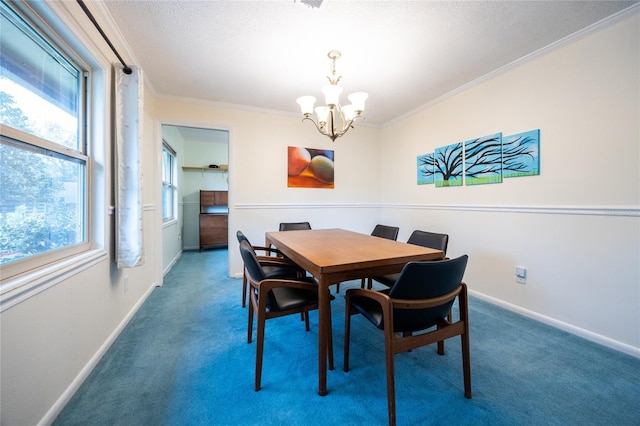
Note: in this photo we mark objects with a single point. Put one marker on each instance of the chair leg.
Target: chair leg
(391, 386)
(441, 342)
(466, 358)
(338, 288)
(347, 332)
(466, 365)
(305, 314)
(244, 289)
(330, 343)
(250, 325)
(369, 283)
(259, 351)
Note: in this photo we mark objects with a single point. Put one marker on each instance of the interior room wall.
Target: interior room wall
(259, 198)
(575, 227)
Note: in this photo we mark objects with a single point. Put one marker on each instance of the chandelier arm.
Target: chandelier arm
(349, 125)
(317, 126)
(331, 128)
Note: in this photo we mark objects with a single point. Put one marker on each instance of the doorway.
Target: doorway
(201, 163)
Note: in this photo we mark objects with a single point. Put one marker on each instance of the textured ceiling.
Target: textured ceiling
(405, 54)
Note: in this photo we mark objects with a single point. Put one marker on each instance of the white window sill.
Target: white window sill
(24, 286)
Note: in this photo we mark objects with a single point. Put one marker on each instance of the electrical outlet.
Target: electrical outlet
(126, 284)
(521, 275)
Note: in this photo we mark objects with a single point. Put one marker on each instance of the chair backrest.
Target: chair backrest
(384, 231)
(429, 239)
(426, 280)
(241, 237)
(255, 272)
(294, 226)
(251, 263)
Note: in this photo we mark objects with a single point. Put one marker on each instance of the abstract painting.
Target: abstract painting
(425, 169)
(448, 165)
(483, 160)
(310, 168)
(521, 154)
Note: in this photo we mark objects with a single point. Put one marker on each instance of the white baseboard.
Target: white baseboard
(586, 334)
(173, 262)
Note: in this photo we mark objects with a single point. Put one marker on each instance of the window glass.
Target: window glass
(43, 166)
(169, 186)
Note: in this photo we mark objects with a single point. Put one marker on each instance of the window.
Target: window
(43, 160)
(169, 184)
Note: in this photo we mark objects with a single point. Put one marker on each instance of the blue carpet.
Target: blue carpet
(184, 360)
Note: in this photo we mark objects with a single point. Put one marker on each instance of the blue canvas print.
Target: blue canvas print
(448, 165)
(483, 160)
(425, 169)
(521, 154)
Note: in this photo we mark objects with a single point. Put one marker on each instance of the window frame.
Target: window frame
(173, 183)
(23, 278)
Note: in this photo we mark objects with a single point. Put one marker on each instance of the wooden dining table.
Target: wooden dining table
(336, 255)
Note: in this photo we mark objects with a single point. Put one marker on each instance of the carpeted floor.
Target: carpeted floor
(184, 360)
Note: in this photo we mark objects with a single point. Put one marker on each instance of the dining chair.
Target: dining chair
(407, 313)
(276, 297)
(294, 226)
(432, 240)
(274, 264)
(382, 231)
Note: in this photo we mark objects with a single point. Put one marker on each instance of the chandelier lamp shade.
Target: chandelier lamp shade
(333, 120)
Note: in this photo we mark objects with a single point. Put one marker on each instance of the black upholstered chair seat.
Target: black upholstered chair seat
(274, 265)
(388, 280)
(280, 271)
(285, 298)
(404, 321)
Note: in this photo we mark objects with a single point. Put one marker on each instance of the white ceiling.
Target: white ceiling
(264, 54)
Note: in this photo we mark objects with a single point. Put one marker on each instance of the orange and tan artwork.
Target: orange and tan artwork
(310, 168)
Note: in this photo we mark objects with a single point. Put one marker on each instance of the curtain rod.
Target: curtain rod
(126, 69)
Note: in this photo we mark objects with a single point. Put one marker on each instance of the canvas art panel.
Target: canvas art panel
(448, 165)
(483, 160)
(521, 154)
(310, 168)
(425, 169)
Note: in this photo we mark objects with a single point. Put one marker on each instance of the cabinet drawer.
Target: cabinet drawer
(214, 229)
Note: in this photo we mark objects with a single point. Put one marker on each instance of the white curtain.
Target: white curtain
(128, 134)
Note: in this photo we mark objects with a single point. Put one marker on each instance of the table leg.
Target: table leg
(323, 334)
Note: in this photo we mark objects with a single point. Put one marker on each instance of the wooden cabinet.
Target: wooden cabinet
(214, 219)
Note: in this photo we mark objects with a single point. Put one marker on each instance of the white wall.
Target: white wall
(575, 227)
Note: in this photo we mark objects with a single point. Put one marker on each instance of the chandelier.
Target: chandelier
(333, 120)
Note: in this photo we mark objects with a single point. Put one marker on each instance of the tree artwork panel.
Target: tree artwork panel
(521, 154)
(310, 168)
(425, 169)
(448, 165)
(483, 160)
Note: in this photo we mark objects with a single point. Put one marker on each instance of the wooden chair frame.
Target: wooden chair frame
(396, 343)
(258, 305)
